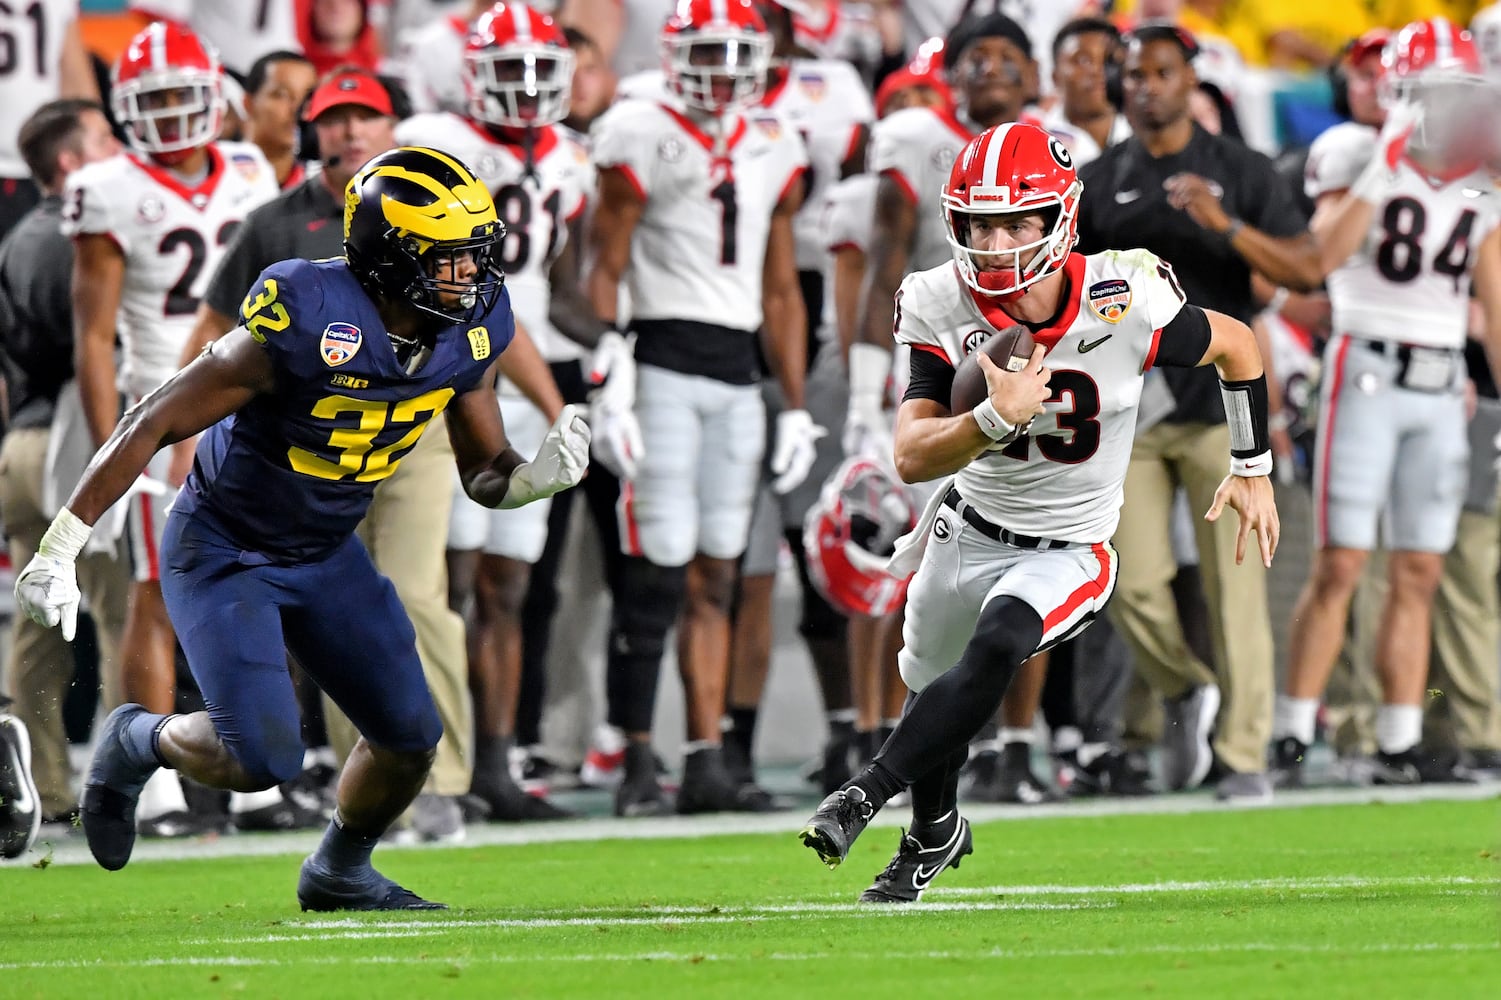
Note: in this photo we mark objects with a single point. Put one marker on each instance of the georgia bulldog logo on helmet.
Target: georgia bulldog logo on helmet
(518, 68)
(166, 91)
(851, 531)
(1012, 169)
(716, 53)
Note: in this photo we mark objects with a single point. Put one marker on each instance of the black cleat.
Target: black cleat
(638, 793)
(1006, 777)
(110, 792)
(324, 891)
(837, 823)
(1286, 770)
(916, 866)
(288, 814)
(20, 805)
(1114, 772)
(709, 787)
(506, 802)
(1403, 768)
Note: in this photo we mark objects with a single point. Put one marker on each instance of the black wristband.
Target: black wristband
(1246, 410)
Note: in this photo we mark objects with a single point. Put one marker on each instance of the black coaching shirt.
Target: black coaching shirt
(36, 314)
(306, 222)
(1125, 206)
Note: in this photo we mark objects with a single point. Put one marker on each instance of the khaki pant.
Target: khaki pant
(1466, 665)
(406, 532)
(39, 669)
(1197, 457)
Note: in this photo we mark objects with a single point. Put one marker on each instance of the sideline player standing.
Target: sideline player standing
(1017, 554)
(1407, 225)
(331, 378)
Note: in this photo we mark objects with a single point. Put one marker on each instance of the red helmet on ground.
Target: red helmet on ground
(716, 53)
(849, 533)
(1006, 170)
(518, 68)
(1432, 70)
(167, 91)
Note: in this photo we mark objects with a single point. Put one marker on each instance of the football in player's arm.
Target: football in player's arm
(334, 372)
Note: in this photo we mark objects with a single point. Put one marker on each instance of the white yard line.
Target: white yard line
(73, 851)
(989, 954)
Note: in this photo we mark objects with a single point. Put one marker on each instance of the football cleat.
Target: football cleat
(323, 891)
(20, 806)
(1114, 772)
(1006, 777)
(639, 793)
(1186, 752)
(110, 792)
(1403, 768)
(708, 787)
(507, 803)
(839, 820)
(916, 866)
(1286, 769)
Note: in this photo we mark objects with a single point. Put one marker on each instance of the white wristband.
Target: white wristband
(1250, 468)
(65, 537)
(991, 423)
(870, 368)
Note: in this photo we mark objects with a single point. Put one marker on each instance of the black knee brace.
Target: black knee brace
(646, 607)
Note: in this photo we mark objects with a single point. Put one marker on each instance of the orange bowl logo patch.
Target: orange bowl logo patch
(1110, 300)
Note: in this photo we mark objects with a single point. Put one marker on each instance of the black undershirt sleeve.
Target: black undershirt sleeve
(931, 377)
(1183, 341)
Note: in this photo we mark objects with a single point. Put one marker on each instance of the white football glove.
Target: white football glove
(867, 432)
(617, 440)
(796, 449)
(559, 463)
(613, 369)
(47, 589)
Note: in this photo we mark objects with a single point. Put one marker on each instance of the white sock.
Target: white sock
(244, 802)
(1398, 727)
(1295, 717)
(1009, 735)
(1091, 752)
(162, 795)
(1066, 738)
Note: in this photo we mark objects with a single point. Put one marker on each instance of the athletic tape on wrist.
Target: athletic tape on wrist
(65, 536)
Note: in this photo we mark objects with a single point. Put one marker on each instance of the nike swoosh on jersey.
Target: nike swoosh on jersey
(1089, 345)
(1126, 197)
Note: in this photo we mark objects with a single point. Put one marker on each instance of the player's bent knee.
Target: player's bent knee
(261, 768)
(1415, 575)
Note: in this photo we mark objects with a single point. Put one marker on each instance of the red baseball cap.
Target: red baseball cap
(353, 86)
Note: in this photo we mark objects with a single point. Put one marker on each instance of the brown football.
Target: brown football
(1010, 349)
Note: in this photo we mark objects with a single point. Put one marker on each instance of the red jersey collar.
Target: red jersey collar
(703, 138)
(1049, 335)
(543, 143)
(198, 196)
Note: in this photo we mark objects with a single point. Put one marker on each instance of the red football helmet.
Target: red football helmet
(849, 533)
(518, 68)
(716, 53)
(1007, 170)
(1433, 69)
(167, 92)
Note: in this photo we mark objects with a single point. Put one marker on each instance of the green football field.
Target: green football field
(1360, 900)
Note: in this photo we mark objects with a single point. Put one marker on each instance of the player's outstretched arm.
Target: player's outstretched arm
(221, 381)
(1247, 489)
(493, 473)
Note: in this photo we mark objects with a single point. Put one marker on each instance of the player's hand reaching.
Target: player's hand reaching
(1252, 499)
(613, 369)
(560, 462)
(1017, 396)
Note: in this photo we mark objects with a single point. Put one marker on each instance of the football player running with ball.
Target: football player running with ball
(1014, 547)
(331, 377)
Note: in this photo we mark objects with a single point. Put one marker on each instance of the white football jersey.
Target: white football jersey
(29, 69)
(536, 206)
(698, 251)
(1081, 145)
(241, 30)
(1065, 479)
(173, 238)
(826, 101)
(845, 218)
(1410, 279)
(916, 147)
(432, 64)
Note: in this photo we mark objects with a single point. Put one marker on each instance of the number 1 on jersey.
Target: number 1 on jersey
(724, 193)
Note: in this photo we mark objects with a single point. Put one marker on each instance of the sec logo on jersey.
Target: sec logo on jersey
(341, 341)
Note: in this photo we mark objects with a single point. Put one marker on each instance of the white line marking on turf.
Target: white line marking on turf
(1043, 954)
(1310, 883)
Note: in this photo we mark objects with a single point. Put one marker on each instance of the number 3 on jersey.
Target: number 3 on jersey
(354, 444)
(262, 313)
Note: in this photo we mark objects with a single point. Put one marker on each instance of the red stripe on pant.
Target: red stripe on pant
(630, 531)
(1094, 588)
(1326, 429)
(148, 538)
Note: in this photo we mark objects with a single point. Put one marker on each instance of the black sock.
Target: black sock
(742, 727)
(344, 850)
(935, 796)
(878, 783)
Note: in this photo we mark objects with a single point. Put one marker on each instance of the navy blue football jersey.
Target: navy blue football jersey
(293, 472)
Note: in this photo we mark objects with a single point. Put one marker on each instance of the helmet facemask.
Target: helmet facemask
(1455, 116)
(718, 70)
(1006, 274)
(519, 86)
(169, 113)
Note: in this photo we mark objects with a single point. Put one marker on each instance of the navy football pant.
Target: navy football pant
(236, 615)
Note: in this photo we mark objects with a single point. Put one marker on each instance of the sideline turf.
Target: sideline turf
(1359, 901)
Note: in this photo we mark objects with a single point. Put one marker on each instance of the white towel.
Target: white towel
(911, 546)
